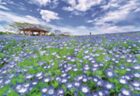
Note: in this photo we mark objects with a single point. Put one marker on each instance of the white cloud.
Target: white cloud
(11, 17)
(2, 2)
(44, 2)
(111, 4)
(73, 30)
(48, 15)
(3, 7)
(81, 5)
(41, 2)
(2, 29)
(118, 14)
(68, 8)
(115, 29)
(137, 10)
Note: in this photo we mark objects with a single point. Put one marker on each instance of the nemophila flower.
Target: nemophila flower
(123, 81)
(108, 85)
(4, 72)
(136, 84)
(69, 58)
(90, 59)
(35, 82)
(39, 74)
(116, 61)
(85, 79)
(94, 94)
(101, 64)
(93, 61)
(86, 67)
(77, 84)
(27, 85)
(63, 75)
(7, 81)
(60, 92)
(97, 55)
(78, 78)
(44, 90)
(94, 68)
(58, 78)
(41, 63)
(128, 77)
(136, 67)
(128, 69)
(137, 88)
(85, 89)
(95, 79)
(96, 65)
(107, 58)
(100, 83)
(69, 68)
(69, 85)
(45, 67)
(81, 61)
(75, 69)
(110, 51)
(51, 91)
(100, 93)
(106, 92)
(30, 87)
(49, 66)
(29, 76)
(129, 60)
(86, 51)
(134, 60)
(47, 79)
(21, 89)
(73, 60)
(63, 80)
(137, 75)
(109, 73)
(1, 81)
(86, 57)
(125, 92)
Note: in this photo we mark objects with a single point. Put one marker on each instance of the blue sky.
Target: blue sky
(79, 17)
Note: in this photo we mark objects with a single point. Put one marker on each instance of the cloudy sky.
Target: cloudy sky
(76, 16)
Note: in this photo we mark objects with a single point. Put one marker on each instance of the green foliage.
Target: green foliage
(121, 72)
(5, 33)
(19, 25)
(4, 90)
(17, 79)
(11, 92)
(1, 55)
(34, 92)
(55, 84)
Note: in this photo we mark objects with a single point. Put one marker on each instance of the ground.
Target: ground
(102, 65)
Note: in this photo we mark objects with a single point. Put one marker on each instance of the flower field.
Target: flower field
(102, 65)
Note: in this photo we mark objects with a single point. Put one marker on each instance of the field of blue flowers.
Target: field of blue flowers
(102, 65)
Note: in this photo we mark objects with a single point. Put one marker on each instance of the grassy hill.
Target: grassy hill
(5, 33)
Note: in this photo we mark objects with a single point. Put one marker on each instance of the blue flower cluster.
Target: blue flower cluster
(102, 65)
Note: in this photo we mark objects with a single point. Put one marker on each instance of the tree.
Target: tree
(16, 26)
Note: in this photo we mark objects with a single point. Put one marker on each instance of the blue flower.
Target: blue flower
(85, 89)
(125, 92)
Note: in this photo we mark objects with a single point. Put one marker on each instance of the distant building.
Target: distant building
(33, 32)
